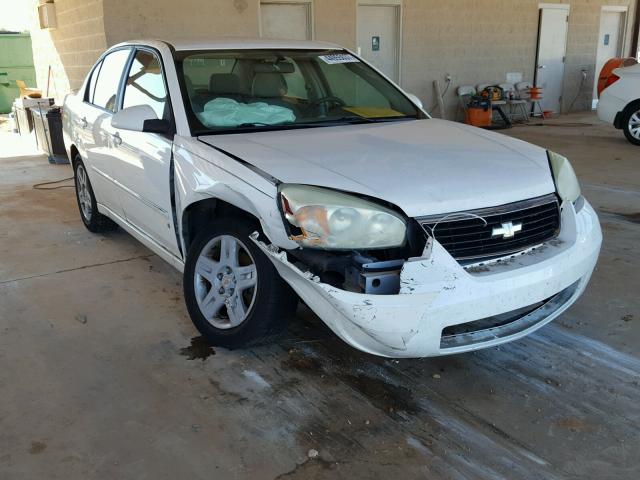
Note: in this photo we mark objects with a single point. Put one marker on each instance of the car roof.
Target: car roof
(235, 43)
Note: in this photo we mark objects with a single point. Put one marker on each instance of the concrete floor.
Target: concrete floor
(103, 375)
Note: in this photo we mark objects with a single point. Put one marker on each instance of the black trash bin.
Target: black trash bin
(47, 122)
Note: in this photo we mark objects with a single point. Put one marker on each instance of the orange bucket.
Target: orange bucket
(478, 117)
(535, 93)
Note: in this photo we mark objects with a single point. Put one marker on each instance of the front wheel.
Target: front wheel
(87, 203)
(233, 293)
(631, 123)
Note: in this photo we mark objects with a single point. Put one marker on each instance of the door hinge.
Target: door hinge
(564, 59)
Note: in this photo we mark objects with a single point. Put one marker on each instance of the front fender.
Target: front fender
(201, 172)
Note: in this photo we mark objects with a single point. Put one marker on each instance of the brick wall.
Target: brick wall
(129, 19)
(71, 48)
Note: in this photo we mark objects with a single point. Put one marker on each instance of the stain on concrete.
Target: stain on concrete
(37, 447)
(390, 398)
(630, 217)
(198, 350)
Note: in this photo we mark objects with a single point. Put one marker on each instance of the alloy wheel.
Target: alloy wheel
(634, 125)
(225, 281)
(84, 197)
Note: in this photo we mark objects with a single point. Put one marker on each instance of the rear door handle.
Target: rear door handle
(117, 141)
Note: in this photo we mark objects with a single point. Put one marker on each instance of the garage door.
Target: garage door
(286, 20)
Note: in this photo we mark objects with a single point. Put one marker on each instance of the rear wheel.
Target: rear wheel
(631, 122)
(233, 293)
(87, 204)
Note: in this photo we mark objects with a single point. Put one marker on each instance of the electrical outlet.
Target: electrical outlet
(448, 77)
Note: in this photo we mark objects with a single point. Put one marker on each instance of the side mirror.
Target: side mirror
(415, 100)
(139, 118)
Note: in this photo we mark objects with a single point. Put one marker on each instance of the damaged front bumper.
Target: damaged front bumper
(490, 304)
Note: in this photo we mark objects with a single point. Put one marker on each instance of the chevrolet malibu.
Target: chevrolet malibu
(272, 171)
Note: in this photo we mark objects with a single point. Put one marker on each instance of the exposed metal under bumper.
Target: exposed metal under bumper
(505, 325)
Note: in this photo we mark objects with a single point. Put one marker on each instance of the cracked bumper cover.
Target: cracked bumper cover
(437, 292)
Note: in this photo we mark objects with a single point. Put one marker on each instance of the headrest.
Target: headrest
(224, 83)
(278, 67)
(269, 85)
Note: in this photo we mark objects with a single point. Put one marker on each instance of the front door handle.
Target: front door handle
(84, 123)
(540, 67)
(117, 141)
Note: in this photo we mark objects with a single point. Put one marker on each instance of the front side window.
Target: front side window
(106, 85)
(145, 84)
(256, 89)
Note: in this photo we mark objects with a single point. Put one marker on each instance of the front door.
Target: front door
(378, 37)
(142, 160)
(609, 41)
(287, 20)
(552, 48)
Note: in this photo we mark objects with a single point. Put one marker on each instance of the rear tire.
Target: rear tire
(87, 204)
(631, 122)
(234, 294)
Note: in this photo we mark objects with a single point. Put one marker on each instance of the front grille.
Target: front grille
(470, 235)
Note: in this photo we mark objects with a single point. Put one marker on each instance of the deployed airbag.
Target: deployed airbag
(226, 112)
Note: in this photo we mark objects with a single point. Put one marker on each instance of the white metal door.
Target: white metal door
(552, 48)
(286, 20)
(609, 41)
(378, 37)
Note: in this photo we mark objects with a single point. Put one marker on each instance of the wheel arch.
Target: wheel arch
(198, 214)
(73, 153)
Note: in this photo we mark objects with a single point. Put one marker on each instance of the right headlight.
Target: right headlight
(567, 184)
(333, 220)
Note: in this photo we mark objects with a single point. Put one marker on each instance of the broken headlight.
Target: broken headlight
(323, 218)
(565, 178)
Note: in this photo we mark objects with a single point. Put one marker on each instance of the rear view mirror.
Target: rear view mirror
(134, 118)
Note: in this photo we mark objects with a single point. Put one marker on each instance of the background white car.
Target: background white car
(619, 103)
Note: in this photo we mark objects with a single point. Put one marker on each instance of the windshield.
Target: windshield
(247, 90)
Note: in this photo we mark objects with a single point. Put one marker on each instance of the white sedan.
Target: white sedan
(269, 171)
(619, 103)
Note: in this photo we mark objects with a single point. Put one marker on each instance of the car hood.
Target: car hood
(424, 167)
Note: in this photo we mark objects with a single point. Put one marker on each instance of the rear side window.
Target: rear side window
(92, 83)
(106, 85)
(145, 84)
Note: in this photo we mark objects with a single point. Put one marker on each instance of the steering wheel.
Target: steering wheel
(328, 100)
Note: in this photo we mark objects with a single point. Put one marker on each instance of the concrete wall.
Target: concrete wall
(473, 40)
(71, 48)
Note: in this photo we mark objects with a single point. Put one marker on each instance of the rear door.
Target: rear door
(142, 160)
(93, 123)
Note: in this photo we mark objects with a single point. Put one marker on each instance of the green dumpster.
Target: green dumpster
(16, 63)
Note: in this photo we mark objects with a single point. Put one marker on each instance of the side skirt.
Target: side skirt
(143, 238)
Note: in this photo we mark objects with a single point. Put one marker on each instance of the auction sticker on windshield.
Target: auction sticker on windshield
(335, 58)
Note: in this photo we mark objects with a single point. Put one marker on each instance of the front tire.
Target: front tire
(87, 203)
(631, 122)
(233, 293)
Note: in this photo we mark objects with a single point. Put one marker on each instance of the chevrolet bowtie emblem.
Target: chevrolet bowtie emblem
(507, 230)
